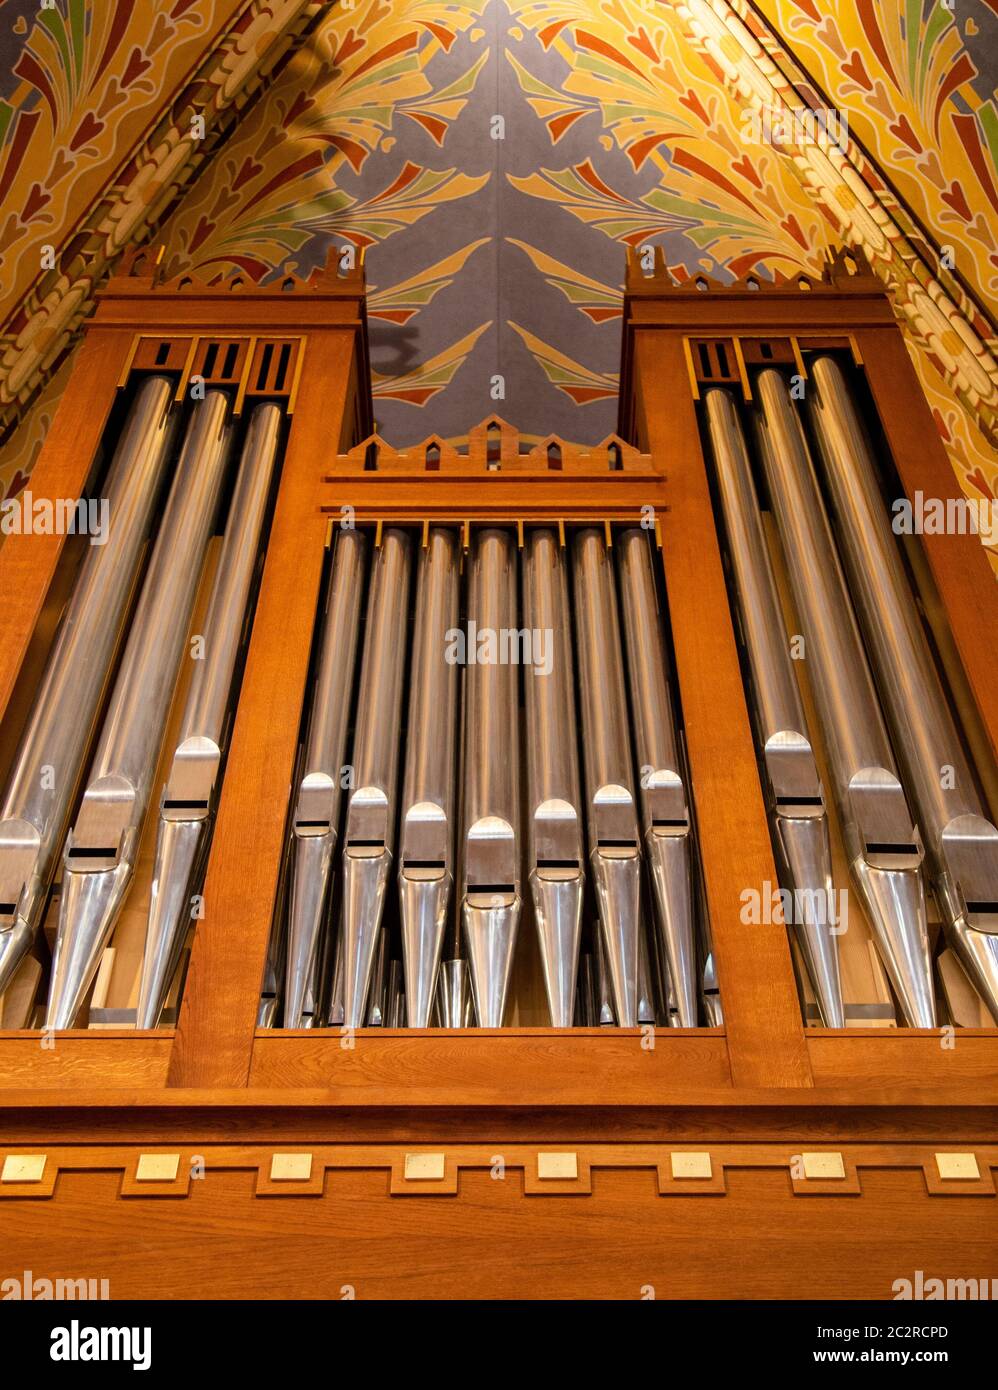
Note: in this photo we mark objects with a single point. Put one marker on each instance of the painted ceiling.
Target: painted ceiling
(491, 158)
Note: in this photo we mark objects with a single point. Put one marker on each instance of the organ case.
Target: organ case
(761, 1109)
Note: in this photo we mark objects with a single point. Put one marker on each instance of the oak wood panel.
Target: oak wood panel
(536, 1066)
(958, 1116)
(910, 1059)
(490, 1241)
(711, 313)
(958, 563)
(215, 1029)
(27, 563)
(84, 1059)
(755, 972)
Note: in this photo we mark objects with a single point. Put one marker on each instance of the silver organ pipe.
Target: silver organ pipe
(665, 816)
(554, 808)
(794, 792)
(101, 849)
(611, 805)
(187, 802)
(315, 819)
(426, 869)
(49, 762)
(491, 848)
(369, 834)
(882, 841)
(961, 841)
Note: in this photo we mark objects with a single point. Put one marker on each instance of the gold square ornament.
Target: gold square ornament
(691, 1165)
(23, 1168)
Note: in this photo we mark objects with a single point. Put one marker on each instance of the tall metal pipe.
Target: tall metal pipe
(426, 872)
(49, 763)
(961, 841)
(614, 846)
(369, 835)
(188, 801)
(794, 792)
(882, 841)
(315, 823)
(554, 807)
(665, 815)
(103, 844)
(491, 899)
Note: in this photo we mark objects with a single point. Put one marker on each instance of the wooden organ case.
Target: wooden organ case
(218, 1155)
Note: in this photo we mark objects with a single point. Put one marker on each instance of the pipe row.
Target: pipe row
(83, 671)
(466, 827)
(887, 725)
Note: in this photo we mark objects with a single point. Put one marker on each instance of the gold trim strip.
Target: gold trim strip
(185, 371)
(743, 374)
(296, 379)
(694, 384)
(244, 379)
(130, 359)
(798, 358)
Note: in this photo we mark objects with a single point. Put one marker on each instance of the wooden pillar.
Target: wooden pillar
(766, 1044)
(215, 1031)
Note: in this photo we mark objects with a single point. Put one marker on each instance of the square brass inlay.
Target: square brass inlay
(157, 1168)
(23, 1168)
(558, 1165)
(826, 1165)
(958, 1166)
(291, 1167)
(424, 1167)
(691, 1165)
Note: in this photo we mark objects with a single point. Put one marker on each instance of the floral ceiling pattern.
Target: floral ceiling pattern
(491, 158)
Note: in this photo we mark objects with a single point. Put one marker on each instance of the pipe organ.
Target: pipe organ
(616, 810)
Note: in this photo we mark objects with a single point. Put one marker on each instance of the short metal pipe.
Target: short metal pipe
(611, 803)
(665, 815)
(315, 819)
(491, 898)
(554, 807)
(369, 834)
(426, 867)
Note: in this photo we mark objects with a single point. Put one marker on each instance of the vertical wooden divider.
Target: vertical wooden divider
(214, 1039)
(766, 1044)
